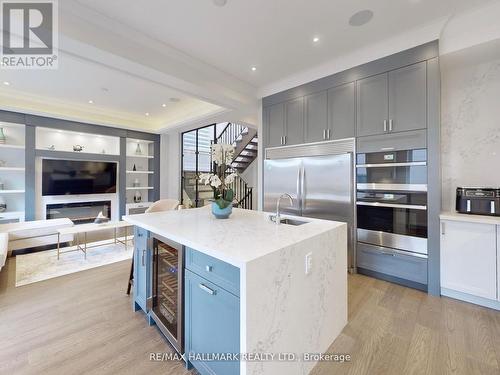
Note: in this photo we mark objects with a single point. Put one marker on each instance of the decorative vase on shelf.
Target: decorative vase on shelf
(137, 197)
(3, 204)
(136, 183)
(2, 136)
(138, 150)
(221, 213)
(134, 168)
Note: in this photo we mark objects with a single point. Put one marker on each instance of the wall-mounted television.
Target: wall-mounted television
(66, 177)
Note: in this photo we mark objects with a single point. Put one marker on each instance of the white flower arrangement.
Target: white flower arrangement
(222, 156)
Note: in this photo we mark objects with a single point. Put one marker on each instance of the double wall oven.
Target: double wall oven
(391, 203)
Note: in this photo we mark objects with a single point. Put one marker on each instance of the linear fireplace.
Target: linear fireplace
(79, 212)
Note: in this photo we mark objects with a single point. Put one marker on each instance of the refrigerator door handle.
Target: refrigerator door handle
(302, 190)
(299, 190)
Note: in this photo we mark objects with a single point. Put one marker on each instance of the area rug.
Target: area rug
(31, 268)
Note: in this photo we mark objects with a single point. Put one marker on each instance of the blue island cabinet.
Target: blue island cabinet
(212, 314)
(142, 271)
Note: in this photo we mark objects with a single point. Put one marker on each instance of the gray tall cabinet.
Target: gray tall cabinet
(393, 100)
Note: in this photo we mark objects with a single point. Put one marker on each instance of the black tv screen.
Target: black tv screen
(66, 177)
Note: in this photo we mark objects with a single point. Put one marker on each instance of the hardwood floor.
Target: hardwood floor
(83, 324)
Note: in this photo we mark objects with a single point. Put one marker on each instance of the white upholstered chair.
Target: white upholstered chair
(163, 205)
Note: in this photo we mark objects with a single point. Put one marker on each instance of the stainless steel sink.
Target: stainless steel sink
(292, 221)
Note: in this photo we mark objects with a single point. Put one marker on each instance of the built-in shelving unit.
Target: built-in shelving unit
(93, 145)
(139, 171)
(12, 182)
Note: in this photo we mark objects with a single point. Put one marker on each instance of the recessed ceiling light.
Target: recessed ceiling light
(254, 68)
(6, 83)
(147, 113)
(361, 18)
(91, 101)
(174, 100)
(163, 105)
(316, 39)
(220, 3)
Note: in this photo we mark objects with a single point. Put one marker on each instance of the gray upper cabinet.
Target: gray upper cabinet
(274, 121)
(393, 102)
(408, 98)
(372, 105)
(341, 112)
(294, 122)
(316, 117)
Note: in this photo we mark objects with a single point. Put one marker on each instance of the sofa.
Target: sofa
(30, 234)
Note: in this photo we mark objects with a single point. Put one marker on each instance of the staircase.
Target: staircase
(205, 192)
(245, 141)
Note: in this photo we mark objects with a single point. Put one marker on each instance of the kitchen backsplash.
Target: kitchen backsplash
(470, 127)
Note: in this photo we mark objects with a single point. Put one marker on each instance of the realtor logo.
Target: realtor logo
(29, 34)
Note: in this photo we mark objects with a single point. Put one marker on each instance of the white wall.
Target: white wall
(251, 176)
(470, 125)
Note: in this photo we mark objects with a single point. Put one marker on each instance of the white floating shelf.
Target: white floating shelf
(77, 152)
(13, 214)
(134, 140)
(12, 168)
(139, 172)
(139, 188)
(141, 156)
(11, 191)
(19, 147)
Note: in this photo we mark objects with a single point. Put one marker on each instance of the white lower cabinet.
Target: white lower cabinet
(469, 259)
(498, 263)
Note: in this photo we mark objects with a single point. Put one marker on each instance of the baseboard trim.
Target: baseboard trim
(392, 279)
(485, 302)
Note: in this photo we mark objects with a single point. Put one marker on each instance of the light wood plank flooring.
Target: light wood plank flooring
(83, 324)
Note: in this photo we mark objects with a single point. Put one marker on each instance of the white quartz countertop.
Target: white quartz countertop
(245, 236)
(483, 219)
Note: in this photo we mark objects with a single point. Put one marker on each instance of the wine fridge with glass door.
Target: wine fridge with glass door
(167, 302)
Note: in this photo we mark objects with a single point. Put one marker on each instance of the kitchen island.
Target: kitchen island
(270, 292)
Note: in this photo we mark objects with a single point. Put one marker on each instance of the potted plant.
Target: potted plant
(222, 156)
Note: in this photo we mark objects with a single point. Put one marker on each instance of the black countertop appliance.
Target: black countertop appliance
(478, 201)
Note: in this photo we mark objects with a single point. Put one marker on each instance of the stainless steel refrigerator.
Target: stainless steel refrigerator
(321, 186)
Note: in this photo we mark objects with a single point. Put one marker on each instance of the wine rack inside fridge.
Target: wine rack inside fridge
(168, 290)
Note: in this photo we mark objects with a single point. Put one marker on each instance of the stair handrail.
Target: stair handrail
(230, 133)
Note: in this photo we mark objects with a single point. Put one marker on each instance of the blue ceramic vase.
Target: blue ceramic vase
(221, 213)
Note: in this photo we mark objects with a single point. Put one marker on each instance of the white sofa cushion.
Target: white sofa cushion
(4, 248)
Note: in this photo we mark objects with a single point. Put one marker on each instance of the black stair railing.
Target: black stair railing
(231, 133)
(242, 192)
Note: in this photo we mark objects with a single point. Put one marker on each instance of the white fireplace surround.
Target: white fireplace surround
(43, 201)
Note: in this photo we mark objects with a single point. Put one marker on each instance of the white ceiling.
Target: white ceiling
(144, 53)
(273, 35)
(118, 98)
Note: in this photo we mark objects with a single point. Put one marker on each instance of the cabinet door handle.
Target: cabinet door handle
(207, 289)
(442, 229)
(208, 268)
(139, 235)
(284, 139)
(328, 133)
(324, 133)
(390, 125)
(143, 256)
(281, 140)
(385, 125)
